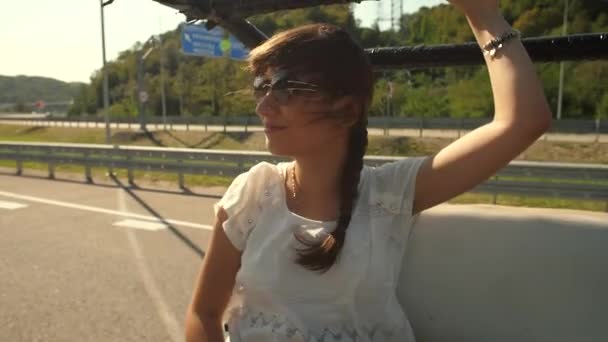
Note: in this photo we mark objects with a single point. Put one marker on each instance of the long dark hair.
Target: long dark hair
(344, 69)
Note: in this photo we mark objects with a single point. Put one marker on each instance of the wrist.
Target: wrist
(486, 19)
(487, 24)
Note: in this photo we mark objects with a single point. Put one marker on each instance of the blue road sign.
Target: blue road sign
(198, 41)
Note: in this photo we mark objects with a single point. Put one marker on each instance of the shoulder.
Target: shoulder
(265, 168)
(241, 201)
(392, 184)
(258, 176)
(398, 172)
(251, 183)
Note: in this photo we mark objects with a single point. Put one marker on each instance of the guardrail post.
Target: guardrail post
(51, 167)
(180, 175)
(110, 163)
(385, 133)
(495, 193)
(240, 164)
(597, 136)
(19, 162)
(460, 127)
(87, 167)
(130, 170)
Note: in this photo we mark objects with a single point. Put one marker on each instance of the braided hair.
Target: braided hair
(345, 70)
(319, 257)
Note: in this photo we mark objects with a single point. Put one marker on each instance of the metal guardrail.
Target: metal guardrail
(570, 126)
(563, 180)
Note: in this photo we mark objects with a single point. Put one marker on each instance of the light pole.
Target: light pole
(106, 95)
(140, 82)
(560, 91)
(162, 82)
(142, 95)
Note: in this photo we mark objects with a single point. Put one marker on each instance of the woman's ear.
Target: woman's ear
(348, 110)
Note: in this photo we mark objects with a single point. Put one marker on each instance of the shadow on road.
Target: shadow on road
(128, 137)
(205, 142)
(156, 214)
(42, 175)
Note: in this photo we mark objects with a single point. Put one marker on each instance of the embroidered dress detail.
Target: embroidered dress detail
(275, 299)
(282, 326)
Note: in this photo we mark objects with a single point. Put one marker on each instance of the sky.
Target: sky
(61, 39)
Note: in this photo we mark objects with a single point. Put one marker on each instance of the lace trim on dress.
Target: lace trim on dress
(282, 326)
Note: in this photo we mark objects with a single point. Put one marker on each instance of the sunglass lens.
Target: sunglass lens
(259, 93)
(260, 88)
(281, 95)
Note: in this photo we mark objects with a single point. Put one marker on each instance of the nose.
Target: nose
(267, 106)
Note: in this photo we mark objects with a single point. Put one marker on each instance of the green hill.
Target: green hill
(28, 89)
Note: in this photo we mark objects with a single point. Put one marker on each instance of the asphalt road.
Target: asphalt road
(396, 132)
(97, 262)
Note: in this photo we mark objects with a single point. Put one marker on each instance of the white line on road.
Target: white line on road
(11, 205)
(104, 211)
(138, 224)
(162, 308)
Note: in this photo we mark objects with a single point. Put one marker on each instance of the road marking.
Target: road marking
(138, 224)
(11, 205)
(104, 211)
(162, 308)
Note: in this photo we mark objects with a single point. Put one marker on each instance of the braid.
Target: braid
(321, 256)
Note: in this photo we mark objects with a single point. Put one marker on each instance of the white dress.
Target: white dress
(275, 299)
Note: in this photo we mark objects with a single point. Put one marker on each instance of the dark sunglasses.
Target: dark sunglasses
(282, 89)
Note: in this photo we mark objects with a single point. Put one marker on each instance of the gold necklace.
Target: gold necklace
(293, 182)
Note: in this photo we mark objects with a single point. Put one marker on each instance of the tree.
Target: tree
(199, 86)
(471, 98)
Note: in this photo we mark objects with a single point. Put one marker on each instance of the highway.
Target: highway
(103, 262)
(397, 132)
(97, 262)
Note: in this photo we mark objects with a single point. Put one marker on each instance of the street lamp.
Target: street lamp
(106, 95)
(560, 91)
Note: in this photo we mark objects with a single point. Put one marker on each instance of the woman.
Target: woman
(311, 250)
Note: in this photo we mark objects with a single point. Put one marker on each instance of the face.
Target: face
(298, 117)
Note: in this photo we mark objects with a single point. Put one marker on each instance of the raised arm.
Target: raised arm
(521, 115)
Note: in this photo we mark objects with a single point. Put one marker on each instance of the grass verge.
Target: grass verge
(191, 181)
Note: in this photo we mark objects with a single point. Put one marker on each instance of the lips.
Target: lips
(273, 128)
